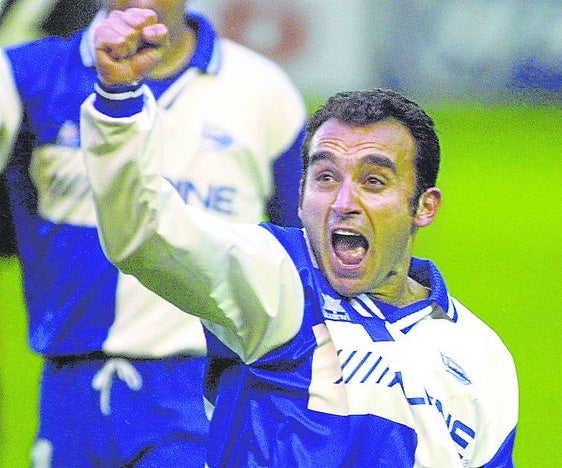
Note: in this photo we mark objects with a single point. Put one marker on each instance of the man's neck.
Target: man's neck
(410, 291)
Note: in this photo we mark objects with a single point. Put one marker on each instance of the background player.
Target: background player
(122, 377)
(330, 345)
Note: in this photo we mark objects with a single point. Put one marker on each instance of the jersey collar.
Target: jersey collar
(404, 318)
(424, 272)
(206, 57)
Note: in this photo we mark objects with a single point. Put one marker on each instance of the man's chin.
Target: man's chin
(346, 286)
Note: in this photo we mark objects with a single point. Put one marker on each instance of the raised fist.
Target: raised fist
(128, 45)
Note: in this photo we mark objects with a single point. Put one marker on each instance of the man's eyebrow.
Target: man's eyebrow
(320, 156)
(367, 160)
(378, 160)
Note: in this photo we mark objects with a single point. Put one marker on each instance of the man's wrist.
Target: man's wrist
(119, 101)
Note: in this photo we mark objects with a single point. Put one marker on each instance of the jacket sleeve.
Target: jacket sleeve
(236, 277)
(10, 110)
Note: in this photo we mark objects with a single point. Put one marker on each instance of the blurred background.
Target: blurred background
(490, 73)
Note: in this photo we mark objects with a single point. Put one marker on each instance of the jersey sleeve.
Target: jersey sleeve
(236, 277)
(282, 207)
(495, 379)
(500, 408)
(10, 110)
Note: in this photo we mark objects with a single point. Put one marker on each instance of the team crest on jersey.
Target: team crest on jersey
(216, 138)
(455, 370)
(333, 310)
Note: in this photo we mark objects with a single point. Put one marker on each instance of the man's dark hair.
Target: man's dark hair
(359, 108)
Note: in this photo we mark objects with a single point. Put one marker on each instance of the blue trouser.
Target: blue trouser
(99, 411)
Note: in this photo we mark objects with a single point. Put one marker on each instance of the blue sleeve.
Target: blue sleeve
(504, 456)
(287, 170)
(119, 101)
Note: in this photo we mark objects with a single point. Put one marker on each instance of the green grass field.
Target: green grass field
(19, 372)
(497, 241)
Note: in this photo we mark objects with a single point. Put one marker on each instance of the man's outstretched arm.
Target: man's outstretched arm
(236, 277)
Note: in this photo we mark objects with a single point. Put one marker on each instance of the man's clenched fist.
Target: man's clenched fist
(128, 45)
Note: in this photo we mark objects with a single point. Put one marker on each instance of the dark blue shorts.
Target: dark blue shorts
(112, 412)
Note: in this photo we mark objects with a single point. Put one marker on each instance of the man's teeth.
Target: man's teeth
(342, 232)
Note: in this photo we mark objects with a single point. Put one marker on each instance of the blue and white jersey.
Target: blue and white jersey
(365, 383)
(298, 375)
(233, 123)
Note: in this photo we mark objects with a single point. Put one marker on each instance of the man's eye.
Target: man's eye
(372, 180)
(324, 177)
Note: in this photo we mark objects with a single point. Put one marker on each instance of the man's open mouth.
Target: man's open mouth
(349, 246)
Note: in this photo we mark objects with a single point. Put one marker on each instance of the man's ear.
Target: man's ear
(428, 205)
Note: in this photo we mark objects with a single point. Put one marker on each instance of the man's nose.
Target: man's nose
(346, 201)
